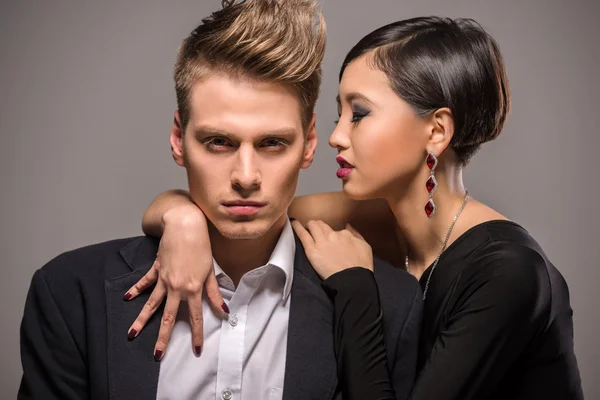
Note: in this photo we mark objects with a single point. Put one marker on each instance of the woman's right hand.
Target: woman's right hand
(183, 267)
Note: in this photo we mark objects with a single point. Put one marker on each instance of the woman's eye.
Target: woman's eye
(356, 117)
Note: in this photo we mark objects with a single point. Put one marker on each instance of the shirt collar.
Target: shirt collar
(282, 257)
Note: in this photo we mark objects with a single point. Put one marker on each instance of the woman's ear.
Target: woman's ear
(442, 130)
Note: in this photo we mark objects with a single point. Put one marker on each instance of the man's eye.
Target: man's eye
(273, 143)
(217, 143)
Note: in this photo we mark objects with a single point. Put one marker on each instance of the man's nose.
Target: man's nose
(246, 174)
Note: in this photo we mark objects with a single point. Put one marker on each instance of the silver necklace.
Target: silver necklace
(467, 197)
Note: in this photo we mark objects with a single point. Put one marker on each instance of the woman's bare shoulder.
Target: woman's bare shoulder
(372, 218)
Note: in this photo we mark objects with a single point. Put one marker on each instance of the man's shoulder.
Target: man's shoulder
(93, 259)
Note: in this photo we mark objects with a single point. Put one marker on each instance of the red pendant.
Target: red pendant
(431, 161)
(430, 208)
(431, 184)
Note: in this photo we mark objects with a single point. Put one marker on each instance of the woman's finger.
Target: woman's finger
(152, 304)
(144, 283)
(215, 299)
(304, 236)
(166, 326)
(316, 230)
(325, 229)
(196, 322)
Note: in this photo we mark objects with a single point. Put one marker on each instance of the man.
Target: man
(247, 80)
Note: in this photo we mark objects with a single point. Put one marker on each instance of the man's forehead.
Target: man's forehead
(220, 103)
(221, 85)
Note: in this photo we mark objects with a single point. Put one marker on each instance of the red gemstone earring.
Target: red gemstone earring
(431, 184)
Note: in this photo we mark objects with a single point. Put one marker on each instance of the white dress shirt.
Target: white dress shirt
(243, 358)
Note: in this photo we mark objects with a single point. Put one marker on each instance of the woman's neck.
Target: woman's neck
(425, 236)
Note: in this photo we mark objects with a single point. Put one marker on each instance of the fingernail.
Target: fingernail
(131, 334)
(127, 296)
(225, 308)
(158, 355)
(292, 219)
(198, 349)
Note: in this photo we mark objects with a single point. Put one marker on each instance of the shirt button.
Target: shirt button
(226, 394)
(233, 321)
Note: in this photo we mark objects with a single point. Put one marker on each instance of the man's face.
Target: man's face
(243, 149)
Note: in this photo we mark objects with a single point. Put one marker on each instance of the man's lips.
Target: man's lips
(240, 207)
(345, 167)
(243, 203)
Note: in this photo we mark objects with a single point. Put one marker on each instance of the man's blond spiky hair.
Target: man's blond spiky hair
(280, 41)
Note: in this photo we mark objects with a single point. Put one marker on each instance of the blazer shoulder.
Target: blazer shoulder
(89, 259)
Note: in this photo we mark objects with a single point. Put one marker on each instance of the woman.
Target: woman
(417, 98)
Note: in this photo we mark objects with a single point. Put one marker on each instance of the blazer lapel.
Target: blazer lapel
(311, 368)
(132, 371)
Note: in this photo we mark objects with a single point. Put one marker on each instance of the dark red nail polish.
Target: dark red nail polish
(198, 349)
(132, 334)
(225, 308)
(127, 296)
(158, 355)
(292, 219)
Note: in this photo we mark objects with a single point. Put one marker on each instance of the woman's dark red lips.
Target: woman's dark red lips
(343, 163)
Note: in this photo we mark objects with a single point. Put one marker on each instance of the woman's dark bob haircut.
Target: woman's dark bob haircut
(434, 62)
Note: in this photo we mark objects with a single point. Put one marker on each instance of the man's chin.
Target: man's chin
(247, 230)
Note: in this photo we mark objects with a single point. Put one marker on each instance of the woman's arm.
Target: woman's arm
(185, 257)
(153, 223)
(359, 336)
(183, 269)
(371, 218)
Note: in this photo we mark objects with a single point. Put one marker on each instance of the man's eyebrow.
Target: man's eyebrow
(280, 132)
(208, 130)
(205, 130)
(350, 97)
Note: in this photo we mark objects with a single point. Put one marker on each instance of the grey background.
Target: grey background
(86, 102)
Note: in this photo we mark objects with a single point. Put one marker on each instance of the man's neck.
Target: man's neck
(236, 257)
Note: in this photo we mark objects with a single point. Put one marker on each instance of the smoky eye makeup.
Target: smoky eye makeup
(359, 112)
(358, 109)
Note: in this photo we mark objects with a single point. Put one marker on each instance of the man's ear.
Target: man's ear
(441, 130)
(176, 139)
(310, 143)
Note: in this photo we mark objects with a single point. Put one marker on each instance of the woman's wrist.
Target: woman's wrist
(184, 216)
(351, 281)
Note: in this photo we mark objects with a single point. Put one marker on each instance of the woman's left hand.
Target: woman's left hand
(332, 251)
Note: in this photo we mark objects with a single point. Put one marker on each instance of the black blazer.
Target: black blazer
(74, 330)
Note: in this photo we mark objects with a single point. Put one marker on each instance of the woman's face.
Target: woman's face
(378, 136)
